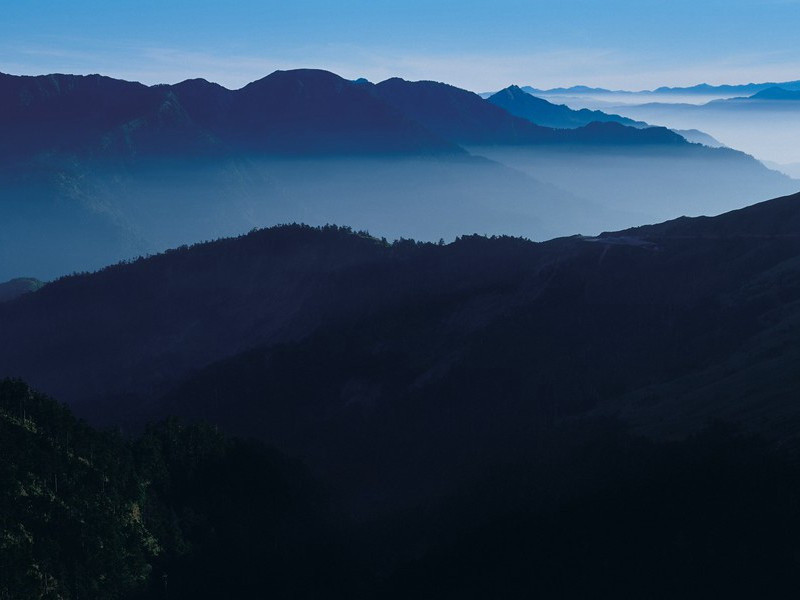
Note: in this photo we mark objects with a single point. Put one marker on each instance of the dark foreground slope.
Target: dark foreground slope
(183, 512)
(488, 418)
(386, 366)
(17, 287)
(178, 512)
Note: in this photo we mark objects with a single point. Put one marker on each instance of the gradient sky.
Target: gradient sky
(477, 45)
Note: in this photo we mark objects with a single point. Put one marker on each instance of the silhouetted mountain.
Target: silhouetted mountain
(747, 88)
(575, 89)
(540, 111)
(455, 353)
(54, 113)
(17, 287)
(97, 170)
(466, 118)
(458, 114)
(699, 137)
(288, 112)
(776, 93)
(702, 89)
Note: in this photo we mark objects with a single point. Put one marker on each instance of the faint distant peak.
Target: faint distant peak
(776, 93)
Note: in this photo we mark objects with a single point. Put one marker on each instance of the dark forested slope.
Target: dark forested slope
(178, 512)
(344, 349)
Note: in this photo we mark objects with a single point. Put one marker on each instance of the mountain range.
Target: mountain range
(540, 111)
(316, 411)
(307, 338)
(776, 93)
(702, 89)
(97, 170)
(537, 110)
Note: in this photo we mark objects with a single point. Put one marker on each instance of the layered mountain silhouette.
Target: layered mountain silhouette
(696, 136)
(466, 118)
(538, 110)
(602, 415)
(303, 111)
(97, 170)
(289, 112)
(776, 93)
(309, 337)
(702, 89)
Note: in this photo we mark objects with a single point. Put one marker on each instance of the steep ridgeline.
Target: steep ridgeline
(540, 111)
(642, 175)
(468, 119)
(777, 93)
(288, 112)
(347, 351)
(96, 170)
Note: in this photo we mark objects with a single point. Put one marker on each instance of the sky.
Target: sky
(481, 46)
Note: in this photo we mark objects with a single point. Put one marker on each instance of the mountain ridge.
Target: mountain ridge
(123, 169)
(542, 112)
(315, 332)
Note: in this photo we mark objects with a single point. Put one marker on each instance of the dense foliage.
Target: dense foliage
(184, 512)
(179, 512)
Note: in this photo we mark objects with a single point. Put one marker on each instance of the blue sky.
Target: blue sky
(478, 45)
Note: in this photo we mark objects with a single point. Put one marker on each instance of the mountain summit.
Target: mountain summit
(540, 111)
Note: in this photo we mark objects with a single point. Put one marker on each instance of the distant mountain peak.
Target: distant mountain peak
(526, 105)
(776, 93)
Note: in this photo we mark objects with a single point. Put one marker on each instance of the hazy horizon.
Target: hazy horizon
(617, 45)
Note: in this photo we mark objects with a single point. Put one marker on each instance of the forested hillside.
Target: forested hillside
(184, 512)
(177, 512)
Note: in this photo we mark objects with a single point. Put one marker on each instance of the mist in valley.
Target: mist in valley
(86, 215)
(100, 213)
(766, 129)
(646, 185)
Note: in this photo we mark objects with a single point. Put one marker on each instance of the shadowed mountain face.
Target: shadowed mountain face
(466, 118)
(97, 170)
(538, 110)
(348, 351)
(547, 114)
(699, 137)
(306, 112)
(776, 93)
(206, 517)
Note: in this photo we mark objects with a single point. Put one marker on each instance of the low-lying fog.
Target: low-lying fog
(603, 101)
(766, 129)
(98, 213)
(648, 184)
